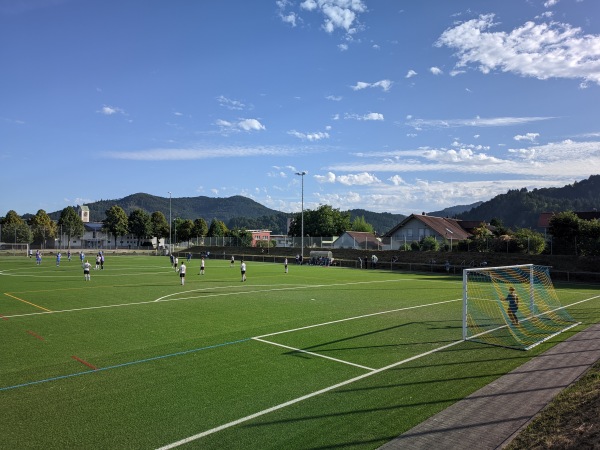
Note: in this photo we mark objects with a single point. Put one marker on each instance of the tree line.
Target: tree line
(569, 233)
(40, 228)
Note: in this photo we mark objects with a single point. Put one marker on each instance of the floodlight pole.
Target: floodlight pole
(170, 248)
(301, 174)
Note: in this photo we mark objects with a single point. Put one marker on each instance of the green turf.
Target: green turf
(131, 359)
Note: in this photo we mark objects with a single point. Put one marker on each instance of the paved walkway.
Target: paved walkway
(491, 417)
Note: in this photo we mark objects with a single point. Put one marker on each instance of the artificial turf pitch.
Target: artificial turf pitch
(320, 357)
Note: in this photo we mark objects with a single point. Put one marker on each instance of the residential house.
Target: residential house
(418, 226)
(258, 236)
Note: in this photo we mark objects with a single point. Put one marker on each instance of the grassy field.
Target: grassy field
(315, 358)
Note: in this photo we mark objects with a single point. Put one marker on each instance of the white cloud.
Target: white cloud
(476, 122)
(526, 137)
(545, 50)
(317, 136)
(369, 116)
(383, 84)
(230, 104)
(550, 3)
(251, 124)
(558, 160)
(328, 178)
(411, 73)
(110, 110)
(199, 153)
(358, 179)
(342, 14)
(242, 124)
(334, 98)
(436, 70)
(397, 180)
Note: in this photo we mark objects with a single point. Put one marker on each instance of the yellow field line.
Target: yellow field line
(25, 301)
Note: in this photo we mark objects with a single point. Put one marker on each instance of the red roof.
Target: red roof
(450, 228)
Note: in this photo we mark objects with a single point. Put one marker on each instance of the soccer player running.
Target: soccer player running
(202, 266)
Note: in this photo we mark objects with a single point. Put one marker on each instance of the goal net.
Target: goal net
(512, 306)
(15, 247)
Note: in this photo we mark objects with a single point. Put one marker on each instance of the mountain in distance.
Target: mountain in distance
(517, 208)
(520, 208)
(236, 211)
(208, 208)
(454, 210)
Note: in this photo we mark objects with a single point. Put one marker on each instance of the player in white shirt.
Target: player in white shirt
(182, 270)
(86, 270)
(243, 270)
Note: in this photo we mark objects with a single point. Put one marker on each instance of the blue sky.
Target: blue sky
(391, 106)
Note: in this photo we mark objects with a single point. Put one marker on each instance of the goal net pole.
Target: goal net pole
(512, 306)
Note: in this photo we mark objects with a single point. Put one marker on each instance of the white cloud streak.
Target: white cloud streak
(476, 122)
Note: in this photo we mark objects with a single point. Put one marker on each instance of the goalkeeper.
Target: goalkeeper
(513, 305)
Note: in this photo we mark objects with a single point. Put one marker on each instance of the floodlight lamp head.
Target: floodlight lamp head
(301, 173)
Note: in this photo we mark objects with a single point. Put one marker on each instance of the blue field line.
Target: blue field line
(130, 363)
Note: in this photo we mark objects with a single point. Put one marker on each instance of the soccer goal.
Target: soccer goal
(512, 306)
(15, 248)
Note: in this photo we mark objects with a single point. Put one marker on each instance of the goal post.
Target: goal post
(15, 248)
(512, 306)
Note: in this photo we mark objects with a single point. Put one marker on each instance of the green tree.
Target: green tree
(200, 228)
(116, 222)
(185, 230)
(139, 224)
(14, 229)
(43, 227)
(159, 227)
(481, 235)
(217, 228)
(70, 224)
(529, 241)
(590, 237)
(325, 221)
(564, 228)
(430, 243)
(499, 228)
(360, 224)
(243, 238)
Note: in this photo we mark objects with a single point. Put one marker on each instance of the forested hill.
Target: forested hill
(235, 212)
(522, 208)
(192, 208)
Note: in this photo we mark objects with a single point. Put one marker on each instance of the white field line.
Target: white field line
(360, 317)
(286, 287)
(304, 397)
(313, 354)
(166, 299)
(321, 391)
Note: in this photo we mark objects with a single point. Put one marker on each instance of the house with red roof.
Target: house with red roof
(418, 226)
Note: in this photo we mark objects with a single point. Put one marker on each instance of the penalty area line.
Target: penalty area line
(313, 353)
(300, 399)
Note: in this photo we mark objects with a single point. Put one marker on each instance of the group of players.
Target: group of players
(182, 268)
